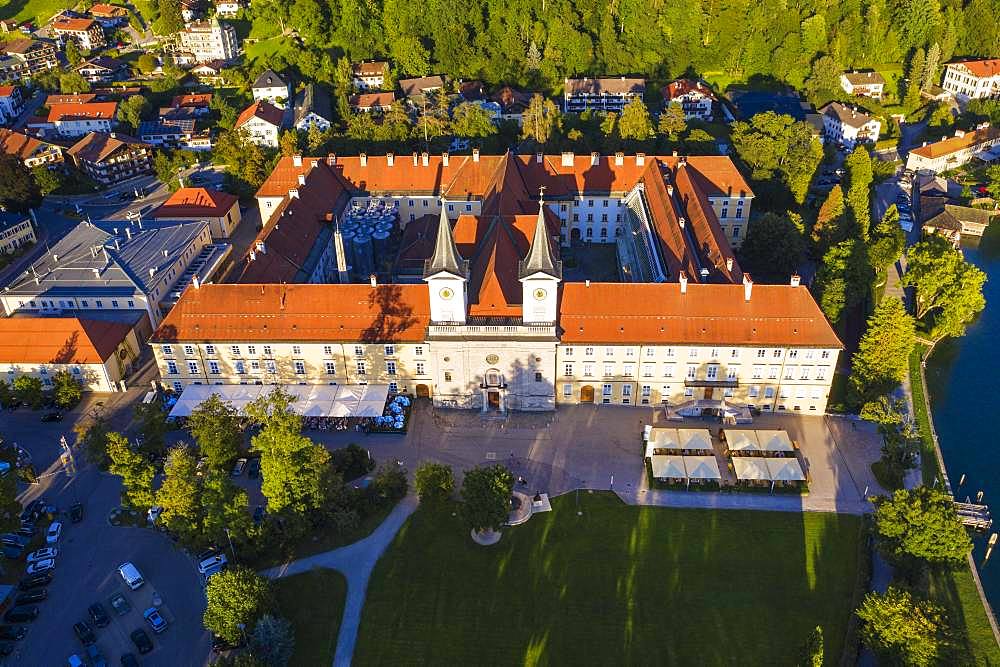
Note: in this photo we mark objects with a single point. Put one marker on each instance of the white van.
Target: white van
(130, 574)
(213, 562)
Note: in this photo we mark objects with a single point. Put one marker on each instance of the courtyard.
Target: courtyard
(614, 584)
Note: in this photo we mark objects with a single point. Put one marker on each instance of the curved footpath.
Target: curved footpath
(356, 562)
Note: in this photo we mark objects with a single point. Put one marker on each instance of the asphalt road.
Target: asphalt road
(91, 551)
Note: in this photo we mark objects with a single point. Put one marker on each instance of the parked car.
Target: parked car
(27, 530)
(43, 554)
(21, 614)
(12, 632)
(84, 633)
(32, 597)
(211, 561)
(120, 604)
(76, 512)
(52, 417)
(131, 576)
(35, 581)
(41, 566)
(96, 657)
(14, 540)
(154, 619)
(54, 532)
(98, 615)
(142, 641)
(240, 466)
(12, 552)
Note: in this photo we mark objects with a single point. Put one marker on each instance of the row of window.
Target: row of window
(75, 370)
(732, 373)
(696, 352)
(179, 386)
(268, 351)
(65, 305)
(645, 393)
(269, 366)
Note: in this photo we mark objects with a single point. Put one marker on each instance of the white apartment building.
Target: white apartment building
(370, 75)
(272, 88)
(262, 122)
(601, 94)
(15, 231)
(11, 103)
(849, 127)
(865, 84)
(956, 150)
(210, 40)
(972, 79)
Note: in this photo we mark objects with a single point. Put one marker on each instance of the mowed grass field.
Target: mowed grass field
(314, 603)
(617, 585)
(37, 11)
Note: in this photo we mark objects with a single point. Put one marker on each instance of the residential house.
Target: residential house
(262, 122)
(210, 41)
(16, 231)
(972, 79)
(413, 88)
(694, 97)
(471, 91)
(956, 150)
(8, 26)
(847, 126)
(369, 102)
(370, 75)
(228, 8)
(200, 104)
(31, 151)
(11, 103)
(601, 94)
(175, 133)
(192, 9)
(87, 33)
(271, 87)
(952, 221)
(109, 16)
(99, 354)
(864, 84)
(119, 268)
(76, 120)
(209, 73)
(102, 69)
(27, 57)
(111, 158)
(512, 102)
(312, 109)
(220, 210)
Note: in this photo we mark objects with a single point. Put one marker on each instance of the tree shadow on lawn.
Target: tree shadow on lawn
(616, 585)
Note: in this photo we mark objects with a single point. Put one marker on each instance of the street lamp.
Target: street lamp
(231, 547)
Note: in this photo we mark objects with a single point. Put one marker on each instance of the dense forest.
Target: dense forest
(539, 42)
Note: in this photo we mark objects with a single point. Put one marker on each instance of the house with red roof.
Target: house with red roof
(262, 122)
(11, 103)
(220, 210)
(76, 120)
(87, 33)
(972, 79)
(694, 97)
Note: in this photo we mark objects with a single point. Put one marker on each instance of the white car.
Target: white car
(241, 465)
(55, 532)
(41, 566)
(42, 554)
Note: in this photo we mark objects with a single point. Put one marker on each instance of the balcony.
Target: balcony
(724, 383)
(499, 331)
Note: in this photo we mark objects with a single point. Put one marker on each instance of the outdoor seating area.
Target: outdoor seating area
(685, 469)
(764, 471)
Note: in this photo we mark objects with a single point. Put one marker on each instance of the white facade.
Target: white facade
(11, 104)
(972, 80)
(261, 132)
(210, 41)
(276, 95)
(851, 129)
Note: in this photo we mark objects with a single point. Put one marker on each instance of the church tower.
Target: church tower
(540, 276)
(446, 274)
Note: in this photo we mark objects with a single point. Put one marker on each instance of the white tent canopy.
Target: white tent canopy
(667, 467)
(695, 438)
(739, 440)
(785, 470)
(751, 468)
(310, 400)
(702, 467)
(661, 438)
(774, 441)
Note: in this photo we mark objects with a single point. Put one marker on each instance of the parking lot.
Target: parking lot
(90, 553)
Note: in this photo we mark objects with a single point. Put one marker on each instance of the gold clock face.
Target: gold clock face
(540, 294)
(447, 293)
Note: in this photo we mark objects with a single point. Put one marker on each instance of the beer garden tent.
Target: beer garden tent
(372, 401)
(741, 442)
(695, 439)
(751, 469)
(661, 438)
(310, 400)
(667, 467)
(774, 441)
(785, 469)
(702, 468)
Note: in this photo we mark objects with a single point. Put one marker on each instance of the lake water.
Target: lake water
(964, 378)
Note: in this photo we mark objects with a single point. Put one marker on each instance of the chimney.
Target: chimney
(444, 159)
(261, 247)
(128, 233)
(425, 159)
(253, 255)
(619, 159)
(567, 158)
(681, 222)
(682, 161)
(302, 179)
(670, 190)
(640, 159)
(97, 272)
(293, 193)
(296, 160)
(747, 286)
(959, 133)
(595, 159)
(923, 144)
(729, 263)
(373, 280)
(166, 253)
(117, 247)
(587, 282)
(475, 155)
(539, 158)
(55, 257)
(152, 271)
(331, 159)
(683, 278)
(674, 153)
(196, 282)
(390, 159)
(363, 158)
(796, 280)
(415, 158)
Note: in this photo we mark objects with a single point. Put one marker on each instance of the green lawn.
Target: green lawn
(973, 642)
(928, 458)
(38, 11)
(271, 46)
(314, 603)
(617, 585)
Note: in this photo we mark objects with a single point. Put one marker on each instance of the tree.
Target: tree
(773, 248)
(18, 190)
(471, 120)
(273, 641)
(180, 494)
(435, 482)
(152, 423)
(920, 525)
(237, 598)
(859, 177)
(486, 493)
(672, 122)
(215, 426)
(540, 120)
(10, 507)
(73, 82)
(147, 63)
(132, 109)
(67, 390)
(136, 472)
(171, 20)
(28, 390)
(310, 20)
(635, 123)
(902, 628)
(351, 461)
(882, 359)
(931, 66)
(887, 240)
(47, 180)
(533, 58)
(92, 438)
(316, 139)
(72, 51)
(812, 650)
(224, 507)
(288, 144)
(824, 82)
(390, 481)
(773, 144)
(915, 78)
(842, 279)
(948, 289)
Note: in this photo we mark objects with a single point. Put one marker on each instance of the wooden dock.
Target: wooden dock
(975, 516)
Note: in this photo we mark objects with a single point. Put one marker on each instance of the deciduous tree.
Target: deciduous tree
(920, 525)
(842, 279)
(773, 248)
(132, 109)
(882, 359)
(777, 145)
(859, 178)
(67, 390)
(812, 650)
(472, 121)
(540, 120)
(486, 493)
(236, 599)
(635, 123)
(28, 390)
(224, 507)
(180, 494)
(136, 472)
(672, 123)
(215, 426)
(887, 240)
(435, 482)
(949, 290)
(47, 180)
(18, 190)
(902, 628)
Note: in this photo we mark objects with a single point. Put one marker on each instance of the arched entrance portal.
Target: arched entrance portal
(423, 391)
(586, 394)
(574, 236)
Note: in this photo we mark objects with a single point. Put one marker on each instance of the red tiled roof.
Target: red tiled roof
(100, 110)
(74, 25)
(193, 100)
(7, 91)
(196, 202)
(261, 109)
(705, 226)
(107, 11)
(955, 144)
(20, 144)
(350, 312)
(59, 340)
(981, 68)
(369, 100)
(73, 98)
(708, 314)
(682, 87)
(99, 146)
